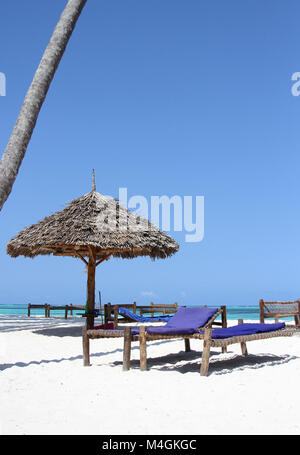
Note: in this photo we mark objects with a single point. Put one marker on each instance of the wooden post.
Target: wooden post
(152, 312)
(134, 307)
(116, 316)
(106, 315)
(71, 309)
(28, 311)
(127, 349)
(187, 345)
(243, 344)
(143, 349)
(261, 311)
(47, 310)
(86, 347)
(297, 316)
(224, 317)
(224, 324)
(206, 352)
(91, 289)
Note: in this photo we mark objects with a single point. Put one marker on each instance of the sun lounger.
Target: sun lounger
(132, 317)
(184, 323)
(278, 310)
(119, 314)
(223, 337)
(240, 333)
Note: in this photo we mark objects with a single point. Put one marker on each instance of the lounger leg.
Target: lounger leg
(127, 349)
(143, 349)
(86, 347)
(244, 348)
(224, 325)
(187, 345)
(243, 344)
(205, 353)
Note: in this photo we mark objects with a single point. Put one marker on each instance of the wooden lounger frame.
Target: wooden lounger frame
(111, 312)
(143, 337)
(279, 310)
(208, 342)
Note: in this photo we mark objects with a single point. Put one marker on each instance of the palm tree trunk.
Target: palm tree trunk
(24, 126)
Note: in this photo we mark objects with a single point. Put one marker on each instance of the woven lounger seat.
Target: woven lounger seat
(244, 338)
(103, 333)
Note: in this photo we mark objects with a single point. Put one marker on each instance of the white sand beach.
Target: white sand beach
(46, 390)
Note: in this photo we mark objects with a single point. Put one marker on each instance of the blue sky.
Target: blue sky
(164, 98)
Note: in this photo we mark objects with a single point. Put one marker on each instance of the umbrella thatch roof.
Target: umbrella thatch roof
(93, 221)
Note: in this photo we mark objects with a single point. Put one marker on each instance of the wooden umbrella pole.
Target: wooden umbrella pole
(91, 290)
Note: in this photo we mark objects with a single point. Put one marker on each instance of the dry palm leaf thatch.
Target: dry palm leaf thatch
(93, 221)
(93, 227)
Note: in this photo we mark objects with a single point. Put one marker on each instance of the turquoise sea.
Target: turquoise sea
(21, 310)
(233, 312)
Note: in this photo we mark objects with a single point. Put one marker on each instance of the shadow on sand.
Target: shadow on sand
(190, 362)
(11, 323)
(75, 331)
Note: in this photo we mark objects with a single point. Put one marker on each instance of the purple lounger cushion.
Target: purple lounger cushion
(184, 321)
(246, 329)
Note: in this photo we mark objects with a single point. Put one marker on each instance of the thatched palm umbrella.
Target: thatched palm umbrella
(93, 228)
